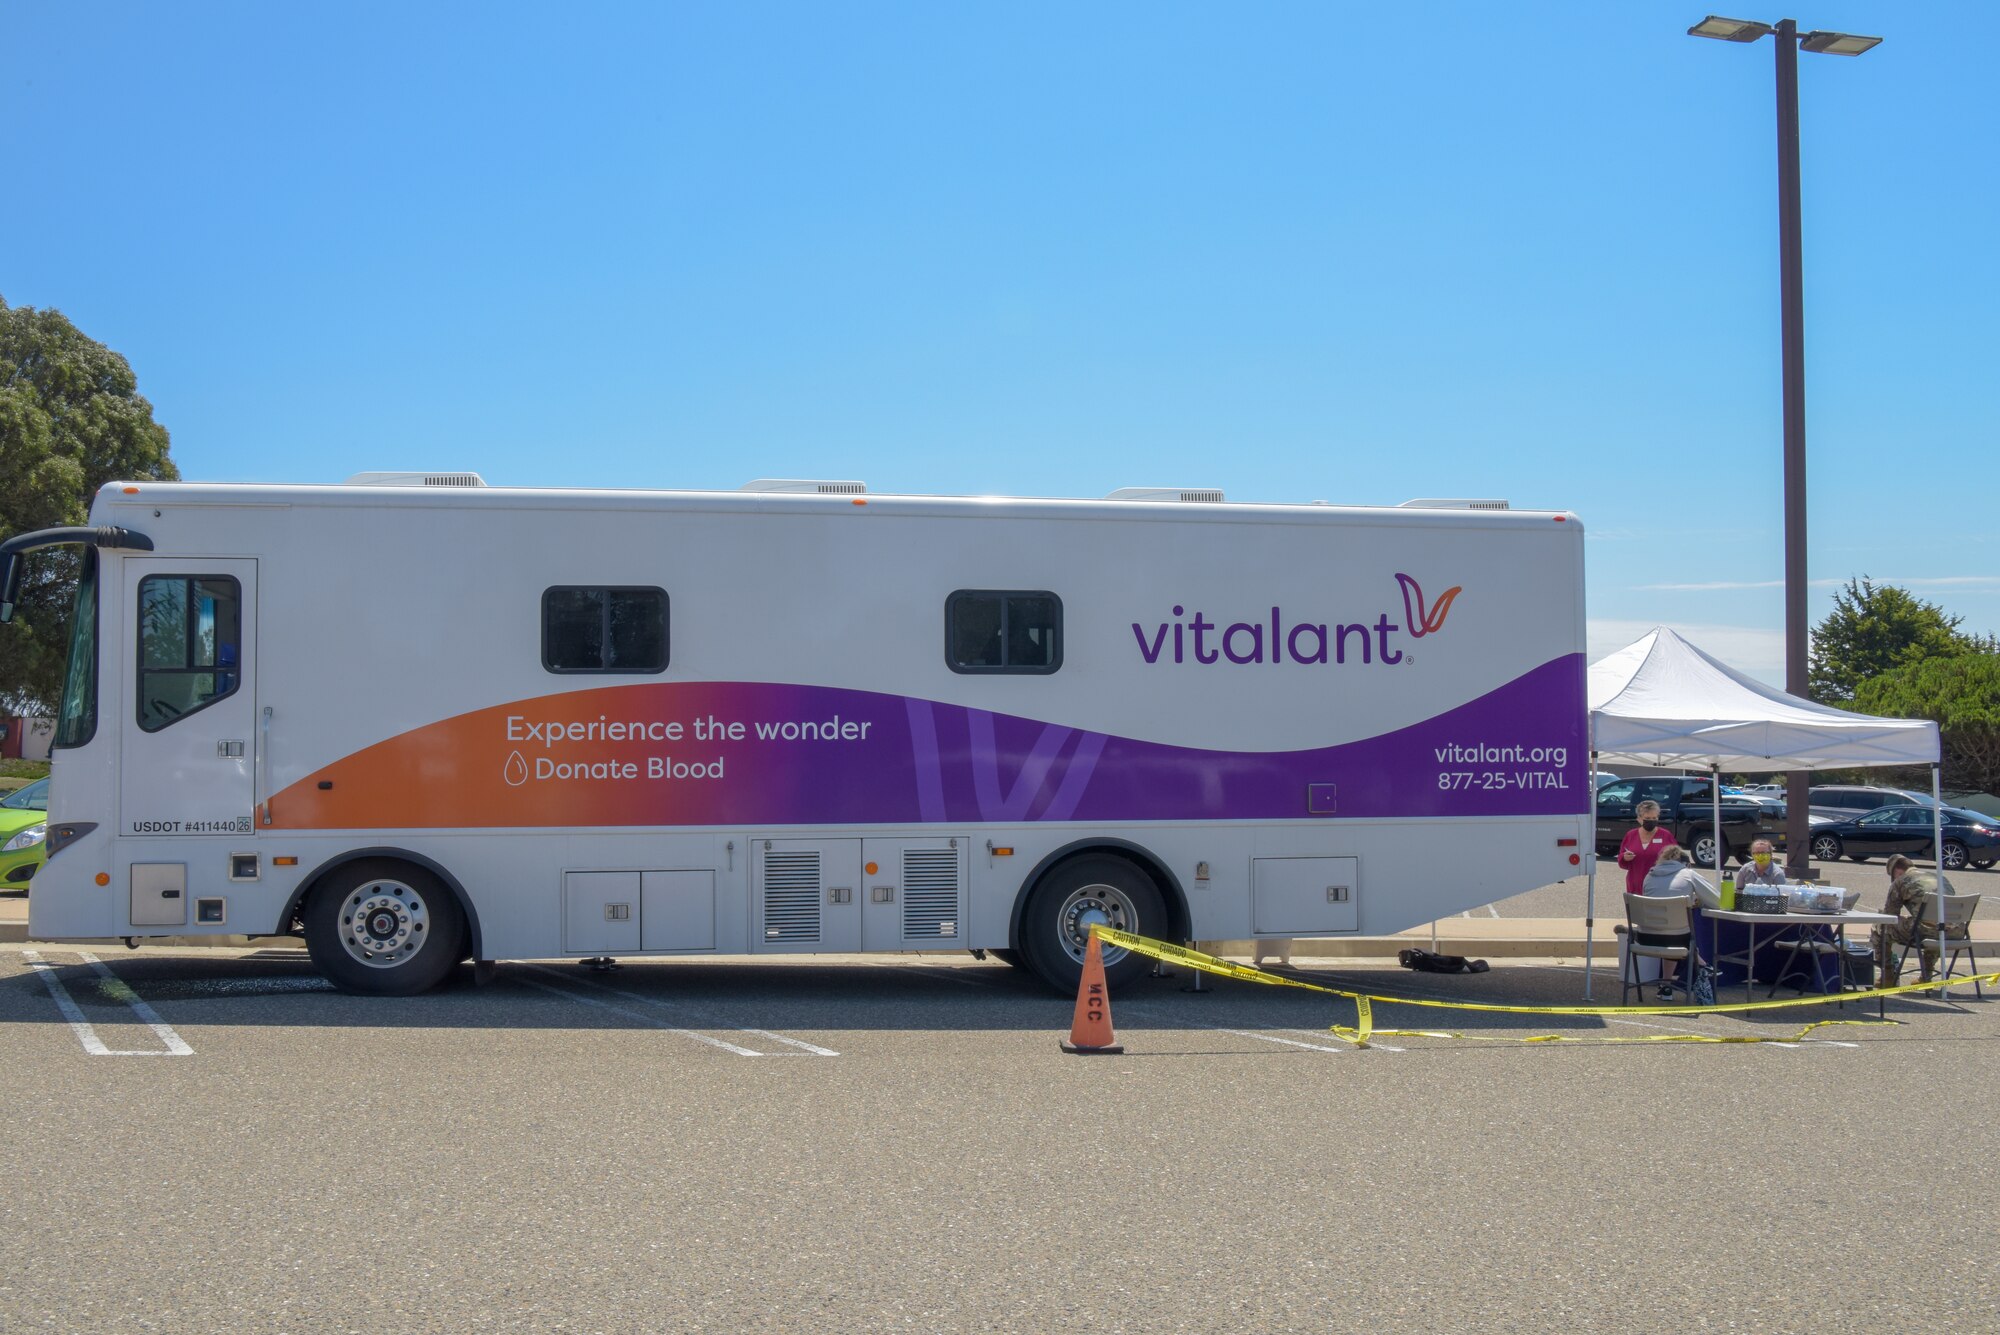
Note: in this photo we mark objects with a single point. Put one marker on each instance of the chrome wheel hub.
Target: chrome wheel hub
(1101, 905)
(383, 924)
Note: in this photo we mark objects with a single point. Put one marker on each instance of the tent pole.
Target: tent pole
(1937, 852)
(1590, 874)
(1715, 811)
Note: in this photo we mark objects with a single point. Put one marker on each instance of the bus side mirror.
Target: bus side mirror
(10, 586)
(12, 550)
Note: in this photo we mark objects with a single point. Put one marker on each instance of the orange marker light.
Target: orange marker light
(870, 869)
(104, 878)
(1003, 852)
(860, 501)
(131, 491)
(284, 862)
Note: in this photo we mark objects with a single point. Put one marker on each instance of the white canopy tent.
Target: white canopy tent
(1662, 702)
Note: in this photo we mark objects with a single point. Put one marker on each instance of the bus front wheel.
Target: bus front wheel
(383, 928)
(1071, 896)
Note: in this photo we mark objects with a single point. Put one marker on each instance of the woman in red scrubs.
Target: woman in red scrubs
(1642, 846)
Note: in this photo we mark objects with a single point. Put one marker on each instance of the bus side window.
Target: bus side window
(190, 645)
(1003, 630)
(620, 630)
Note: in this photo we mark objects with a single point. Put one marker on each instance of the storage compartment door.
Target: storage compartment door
(1304, 896)
(679, 910)
(805, 895)
(916, 893)
(159, 894)
(601, 912)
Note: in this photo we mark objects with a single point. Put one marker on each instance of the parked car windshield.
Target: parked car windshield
(34, 797)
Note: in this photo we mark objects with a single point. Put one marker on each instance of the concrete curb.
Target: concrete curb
(1366, 947)
(1387, 947)
(15, 933)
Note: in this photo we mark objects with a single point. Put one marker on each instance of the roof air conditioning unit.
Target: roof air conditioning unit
(1438, 503)
(795, 486)
(1202, 495)
(416, 480)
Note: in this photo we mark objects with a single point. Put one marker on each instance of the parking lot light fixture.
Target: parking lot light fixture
(1791, 305)
(1838, 43)
(1730, 30)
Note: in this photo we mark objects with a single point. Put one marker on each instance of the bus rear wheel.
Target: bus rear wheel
(1069, 898)
(383, 928)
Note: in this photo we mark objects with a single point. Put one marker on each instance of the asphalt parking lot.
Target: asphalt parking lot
(898, 1143)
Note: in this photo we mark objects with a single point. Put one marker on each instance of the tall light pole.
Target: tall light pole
(1791, 302)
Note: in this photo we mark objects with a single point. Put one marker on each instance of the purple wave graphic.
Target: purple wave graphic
(972, 765)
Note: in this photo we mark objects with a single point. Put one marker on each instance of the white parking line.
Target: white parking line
(1373, 1043)
(810, 1049)
(115, 987)
(1289, 1042)
(944, 971)
(646, 1019)
(1151, 1017)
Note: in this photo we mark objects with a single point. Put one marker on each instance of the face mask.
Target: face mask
(1647, 824)
(1762, 859)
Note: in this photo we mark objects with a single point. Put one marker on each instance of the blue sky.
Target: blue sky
(1299, 252)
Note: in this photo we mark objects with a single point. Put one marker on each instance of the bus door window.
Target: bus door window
(190, 645)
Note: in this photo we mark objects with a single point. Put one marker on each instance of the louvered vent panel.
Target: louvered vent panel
(791, 896)
(930, 894)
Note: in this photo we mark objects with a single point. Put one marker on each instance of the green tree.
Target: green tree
(71, 419)
(1874, 629)
(1961, 694)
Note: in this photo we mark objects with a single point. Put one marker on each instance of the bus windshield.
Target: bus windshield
(76, 719)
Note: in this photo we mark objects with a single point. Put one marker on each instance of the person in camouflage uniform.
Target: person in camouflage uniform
(1911, 898)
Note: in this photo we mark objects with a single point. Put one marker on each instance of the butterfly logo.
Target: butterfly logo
(1418, 619)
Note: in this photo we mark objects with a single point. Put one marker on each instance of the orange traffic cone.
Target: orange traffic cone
(1090, 1031)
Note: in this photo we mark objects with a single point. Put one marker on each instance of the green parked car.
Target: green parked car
(24, 828)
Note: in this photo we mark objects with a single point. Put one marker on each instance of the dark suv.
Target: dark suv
(1686, 812)
(1845, 801)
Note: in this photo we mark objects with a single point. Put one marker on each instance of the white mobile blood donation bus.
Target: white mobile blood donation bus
(428, 723)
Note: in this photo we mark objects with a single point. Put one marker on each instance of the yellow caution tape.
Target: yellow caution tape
(1364, 1026)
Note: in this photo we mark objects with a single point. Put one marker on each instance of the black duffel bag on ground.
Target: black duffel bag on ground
(1423, 961)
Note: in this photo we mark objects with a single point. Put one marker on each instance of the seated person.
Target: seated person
(1911, 899)
(1671, 875)
(1762, 868)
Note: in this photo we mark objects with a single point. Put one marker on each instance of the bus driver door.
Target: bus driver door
(188, 711)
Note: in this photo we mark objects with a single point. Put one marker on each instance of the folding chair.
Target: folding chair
(1958, 910)
(1657, 916)
(1809, 944)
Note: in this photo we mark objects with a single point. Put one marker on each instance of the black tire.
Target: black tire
(1983, 866)
(420, 929)
(1054, 925)
(1701, 847)
(1954, 855)
(1826, 847)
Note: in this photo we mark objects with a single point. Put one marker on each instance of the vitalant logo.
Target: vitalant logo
(1418, 620)
(1275, 640)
